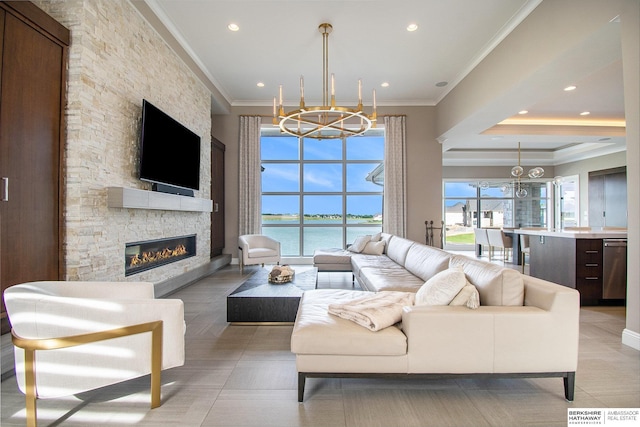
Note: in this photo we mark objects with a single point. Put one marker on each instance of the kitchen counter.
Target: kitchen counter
(572, 258)
(575, 234)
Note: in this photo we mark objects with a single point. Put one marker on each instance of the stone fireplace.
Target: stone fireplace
(142, 256)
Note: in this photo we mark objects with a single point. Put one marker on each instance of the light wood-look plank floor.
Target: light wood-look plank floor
(245, 376)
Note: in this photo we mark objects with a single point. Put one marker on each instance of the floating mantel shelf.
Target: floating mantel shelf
(133, 198)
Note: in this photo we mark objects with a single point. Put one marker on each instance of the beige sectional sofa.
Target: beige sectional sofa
(524, 327)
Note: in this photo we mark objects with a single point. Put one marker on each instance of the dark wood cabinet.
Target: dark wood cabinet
(589, 270)
(32, 96)
(576, 263)
(553, 259)
(217, 196)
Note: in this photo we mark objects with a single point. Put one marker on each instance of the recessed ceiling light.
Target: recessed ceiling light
(441, 84)
(260, 84)
(412, 27)
(523, 112)
(233, 27)
(569, 88)
(384, 84)
(585, 113)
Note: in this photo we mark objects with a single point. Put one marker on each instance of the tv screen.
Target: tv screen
(170, 153)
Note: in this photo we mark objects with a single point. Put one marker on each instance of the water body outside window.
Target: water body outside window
(321, 193)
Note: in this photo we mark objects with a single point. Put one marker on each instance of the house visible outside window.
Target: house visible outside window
(321, 193)
(473, 204)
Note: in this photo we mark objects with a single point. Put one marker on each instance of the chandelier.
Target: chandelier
(327, 121)
(517, 175)
(518, 171)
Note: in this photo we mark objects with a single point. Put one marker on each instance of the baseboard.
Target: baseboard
(631, 339)
(169, 286)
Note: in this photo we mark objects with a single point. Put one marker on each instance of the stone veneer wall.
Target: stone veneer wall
(115, 60)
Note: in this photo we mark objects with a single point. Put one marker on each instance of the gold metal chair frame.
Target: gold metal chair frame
(31, 345)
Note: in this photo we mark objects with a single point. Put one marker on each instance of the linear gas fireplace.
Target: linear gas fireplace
(141, 256)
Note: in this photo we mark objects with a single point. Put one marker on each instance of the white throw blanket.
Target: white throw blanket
(374, 312)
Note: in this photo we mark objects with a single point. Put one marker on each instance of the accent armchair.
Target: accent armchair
(257, 249)
(71, 337)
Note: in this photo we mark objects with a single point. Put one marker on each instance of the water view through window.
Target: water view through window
(321, 193)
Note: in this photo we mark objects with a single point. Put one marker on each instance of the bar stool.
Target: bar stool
(498, 239)
(524, 249)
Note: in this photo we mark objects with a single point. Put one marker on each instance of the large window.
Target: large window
(321, 193)
(490, 204)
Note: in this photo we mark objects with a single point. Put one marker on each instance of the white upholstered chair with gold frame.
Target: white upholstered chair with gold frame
(72, 337)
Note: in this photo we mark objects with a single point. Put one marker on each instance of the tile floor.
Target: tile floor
(246, 376)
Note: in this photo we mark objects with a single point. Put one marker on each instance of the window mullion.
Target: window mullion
(301, 193)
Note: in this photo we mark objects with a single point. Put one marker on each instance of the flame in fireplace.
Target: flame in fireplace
(151, 256)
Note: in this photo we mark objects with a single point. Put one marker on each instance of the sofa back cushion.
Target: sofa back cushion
(397, 249)
(385, 237)
(426, 261)
(496, 285)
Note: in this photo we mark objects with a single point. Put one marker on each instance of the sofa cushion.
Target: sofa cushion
(496, 285)
(317, 332)
(374, 248)
(442, 288)
(360, 261)
(332, 256)
(385, 237)
(397, 249)
(359, 243)
(378, 279)
(426, 261)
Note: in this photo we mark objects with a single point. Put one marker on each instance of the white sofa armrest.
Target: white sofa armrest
(550, 296)
(493, 339)
(448, 339)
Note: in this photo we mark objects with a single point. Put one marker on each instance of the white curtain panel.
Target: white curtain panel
(395, 183)
(249, 179)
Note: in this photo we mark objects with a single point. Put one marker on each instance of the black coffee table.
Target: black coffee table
(258, 301)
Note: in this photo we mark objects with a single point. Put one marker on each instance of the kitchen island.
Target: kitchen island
(577, 259)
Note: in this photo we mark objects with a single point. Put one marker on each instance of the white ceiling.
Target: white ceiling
(278, 41)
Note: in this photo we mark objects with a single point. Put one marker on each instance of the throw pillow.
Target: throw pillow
(373, 248)
(442, 288)
(468, 296)
(358, 245)
(376, 237)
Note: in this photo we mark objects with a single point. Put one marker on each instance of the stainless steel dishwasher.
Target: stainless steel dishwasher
(614, 269)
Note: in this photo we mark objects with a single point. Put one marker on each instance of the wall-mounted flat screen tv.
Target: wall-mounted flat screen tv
(170, 152)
